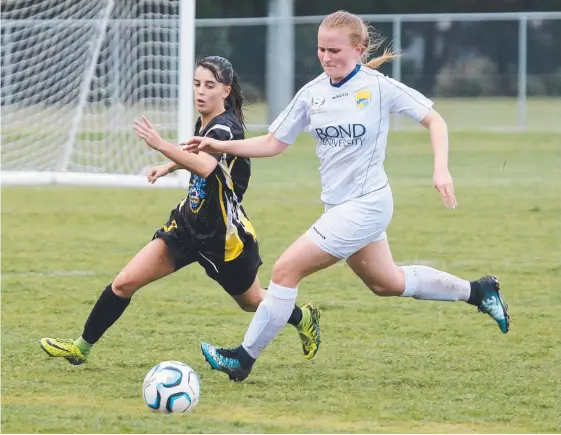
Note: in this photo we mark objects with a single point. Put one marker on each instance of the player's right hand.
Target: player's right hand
(206, 144)
(157, 172)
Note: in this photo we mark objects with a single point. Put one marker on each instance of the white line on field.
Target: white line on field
(51, 274)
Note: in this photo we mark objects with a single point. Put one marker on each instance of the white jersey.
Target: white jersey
(350, 121)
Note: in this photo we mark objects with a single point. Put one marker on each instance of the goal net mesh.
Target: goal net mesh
(74, 76)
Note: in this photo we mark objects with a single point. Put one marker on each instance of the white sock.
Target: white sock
(423, 282)
(271, 316)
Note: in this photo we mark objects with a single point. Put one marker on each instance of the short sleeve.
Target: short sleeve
(407, 101)
(292, 120)
(219, 132)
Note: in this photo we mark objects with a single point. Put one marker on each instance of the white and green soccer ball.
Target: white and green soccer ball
(171, 386)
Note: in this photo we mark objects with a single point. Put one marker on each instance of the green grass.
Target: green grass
(386, 365)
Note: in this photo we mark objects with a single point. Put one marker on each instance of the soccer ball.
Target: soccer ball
(171, 386)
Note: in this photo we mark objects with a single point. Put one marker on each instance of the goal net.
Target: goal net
(74, 76)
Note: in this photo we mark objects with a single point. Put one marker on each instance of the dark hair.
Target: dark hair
(224, 73)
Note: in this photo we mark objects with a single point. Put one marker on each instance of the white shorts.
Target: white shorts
(346, 228)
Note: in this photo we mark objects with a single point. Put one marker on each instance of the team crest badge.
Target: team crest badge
(197, 193)
(362, 98)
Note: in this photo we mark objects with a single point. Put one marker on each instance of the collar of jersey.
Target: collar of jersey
(346, 79)
(199, 122)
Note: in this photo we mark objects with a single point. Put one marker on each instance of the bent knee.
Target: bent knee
(285, 273)
(385, 290)
(386, 283)
(125, 285)
(249, 305)
(390, 286)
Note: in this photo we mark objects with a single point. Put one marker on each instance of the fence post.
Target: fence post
(522, 70)
(280, 57)
(396, 64)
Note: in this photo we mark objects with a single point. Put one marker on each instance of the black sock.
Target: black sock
(105, 312)
(296, 316)
(475, 297)
(246, 360)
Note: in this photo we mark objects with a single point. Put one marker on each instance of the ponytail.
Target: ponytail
(236, 99)
(387, 56)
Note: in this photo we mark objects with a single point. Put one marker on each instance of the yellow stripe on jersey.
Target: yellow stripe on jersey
(227, 171)
(234, 245)
(231, 183)
(247, 225)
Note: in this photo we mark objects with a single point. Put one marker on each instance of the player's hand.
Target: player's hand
(445, 185)
(189, 148)
(146, 131)
(206, 144)
(157, 172)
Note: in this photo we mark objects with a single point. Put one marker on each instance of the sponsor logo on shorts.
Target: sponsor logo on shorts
(320, 234)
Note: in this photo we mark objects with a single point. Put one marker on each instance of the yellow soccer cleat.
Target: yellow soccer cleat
(309, 330)
(66, 349)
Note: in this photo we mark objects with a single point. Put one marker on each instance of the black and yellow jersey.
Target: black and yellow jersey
(212, 209)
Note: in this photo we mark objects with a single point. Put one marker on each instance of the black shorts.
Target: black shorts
(234, 276)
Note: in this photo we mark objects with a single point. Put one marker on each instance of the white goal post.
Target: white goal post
(74, 76)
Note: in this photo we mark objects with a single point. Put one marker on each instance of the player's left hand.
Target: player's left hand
(206, 144)
(443, 182)
(189, 148)
(146, 131)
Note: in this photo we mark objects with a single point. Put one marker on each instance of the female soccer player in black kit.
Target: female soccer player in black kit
(208, 227)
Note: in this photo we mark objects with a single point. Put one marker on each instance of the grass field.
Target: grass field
(386, 365)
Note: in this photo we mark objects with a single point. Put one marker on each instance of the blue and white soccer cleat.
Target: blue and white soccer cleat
(227, 361)
(492, 302)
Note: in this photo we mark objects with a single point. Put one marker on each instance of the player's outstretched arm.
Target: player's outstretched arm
(201, 164)
(442, 178)
(259, 146)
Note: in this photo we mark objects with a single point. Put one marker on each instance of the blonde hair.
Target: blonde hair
(362, 35)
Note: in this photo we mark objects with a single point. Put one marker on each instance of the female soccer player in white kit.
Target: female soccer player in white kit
(347, 109)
